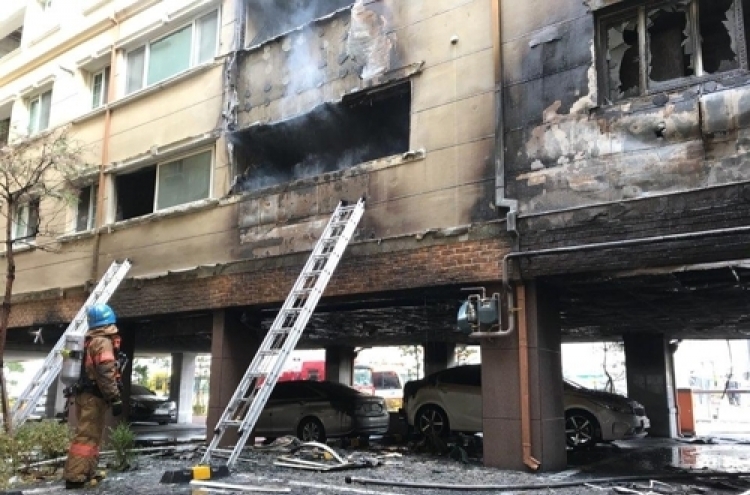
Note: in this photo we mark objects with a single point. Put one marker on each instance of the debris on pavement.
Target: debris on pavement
(314, 456)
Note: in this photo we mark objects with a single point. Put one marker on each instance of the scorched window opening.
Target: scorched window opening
(330, 138)
(658, 46)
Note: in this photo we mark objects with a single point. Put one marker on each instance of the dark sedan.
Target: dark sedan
(314, 411)
(147, 407)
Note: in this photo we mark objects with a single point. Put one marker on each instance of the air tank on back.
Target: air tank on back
(72, 355)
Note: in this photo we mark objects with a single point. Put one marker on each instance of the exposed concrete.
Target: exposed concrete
(181, 385)
(650, 375)
(438, 356)
(501, 406)
(340, 364)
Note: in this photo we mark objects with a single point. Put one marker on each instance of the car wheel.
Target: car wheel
(311, 430)
(581, 429)
(431, 420)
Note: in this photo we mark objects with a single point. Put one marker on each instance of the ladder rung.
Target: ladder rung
(222, 451)
(231, 422)
(269, 352)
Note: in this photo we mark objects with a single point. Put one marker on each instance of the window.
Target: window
(184, 181)
(4, 131)
(39, 110)
(26, 221)
(86, 208)
(658, 46)
(163, 186)
(376, 125)
(176, 52)
(100, 88)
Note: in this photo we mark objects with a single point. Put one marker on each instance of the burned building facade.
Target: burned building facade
(623, 137)
(588, 155)
(229, 133)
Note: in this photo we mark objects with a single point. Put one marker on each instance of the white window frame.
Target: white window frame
(211, 164)
(193, 48)
(91, 222)
(22, 213)
(104, 97)
(33, 127)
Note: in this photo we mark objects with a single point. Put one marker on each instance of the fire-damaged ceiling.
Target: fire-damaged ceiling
(707, 302)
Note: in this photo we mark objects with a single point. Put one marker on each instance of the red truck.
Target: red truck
(306, 370)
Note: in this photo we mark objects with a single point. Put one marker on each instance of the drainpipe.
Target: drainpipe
(512, 205)
(500, 199)
(111, 94)
(523, 367)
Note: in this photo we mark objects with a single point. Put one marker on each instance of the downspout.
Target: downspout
(500, 190)
(523, 368)
(100, 213)
(501, 200)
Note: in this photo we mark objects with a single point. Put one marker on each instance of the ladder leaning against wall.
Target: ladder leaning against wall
(52, 365)
(261, 376)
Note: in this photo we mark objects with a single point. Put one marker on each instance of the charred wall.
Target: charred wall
(578, 142)
(389, 100)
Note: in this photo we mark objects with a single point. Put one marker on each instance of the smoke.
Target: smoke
(332, 137)
(270, 18)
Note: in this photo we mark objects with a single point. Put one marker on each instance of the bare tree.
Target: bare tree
(36, 177)
(464, 353)
(615, 348)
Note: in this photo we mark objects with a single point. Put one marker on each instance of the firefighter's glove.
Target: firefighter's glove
(117, 408)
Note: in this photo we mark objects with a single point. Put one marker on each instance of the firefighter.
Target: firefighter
(97, 389)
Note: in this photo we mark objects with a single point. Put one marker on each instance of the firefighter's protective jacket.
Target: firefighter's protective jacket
(100, 364)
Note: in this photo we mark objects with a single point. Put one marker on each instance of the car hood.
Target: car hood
(598, 395)
(148, 399)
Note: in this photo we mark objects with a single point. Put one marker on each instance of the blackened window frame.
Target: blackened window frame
(646, 88)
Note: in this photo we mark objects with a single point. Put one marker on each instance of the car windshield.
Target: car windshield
(136, 389)
(363, 377)
(388, 380)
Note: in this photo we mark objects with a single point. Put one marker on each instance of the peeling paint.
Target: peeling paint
(369, 41)
(589, 101)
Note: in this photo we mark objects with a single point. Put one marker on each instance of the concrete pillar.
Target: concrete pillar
(234, 341)
(650, 371)
(340, 364)
(501, 386)
(181, 385)
(438, 356)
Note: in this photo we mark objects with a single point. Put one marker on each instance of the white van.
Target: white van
(389, 384)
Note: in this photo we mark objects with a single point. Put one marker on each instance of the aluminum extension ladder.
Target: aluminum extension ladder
(49, 371)
(261, 376)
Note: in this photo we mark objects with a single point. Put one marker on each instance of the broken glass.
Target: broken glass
(670, 42)
(623, 59)
(717, 28)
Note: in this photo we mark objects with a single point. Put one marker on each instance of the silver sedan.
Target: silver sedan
(314, 411)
